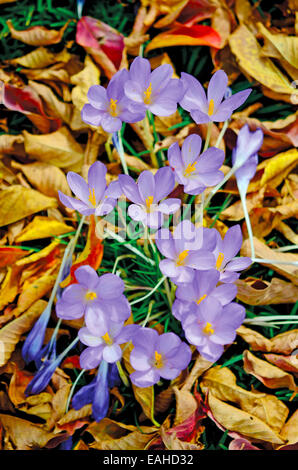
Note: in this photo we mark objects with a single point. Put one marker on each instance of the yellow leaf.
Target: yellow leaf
(38, 35)
(287, 46)
(42, 227)
(84, 80)
(278, 167)
(10, 286)
(199, 367)
(58, 148)
(290, 430)
(10, 334)
(270, 375)
(247, 50)
(186, 405)
(221, 382)
(242, 422)
(40, 58)
(17, 202)
(38, 255)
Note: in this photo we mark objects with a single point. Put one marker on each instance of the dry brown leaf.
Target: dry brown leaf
(40, 58)
(199, 367)
(186, 405)
(242, 422)
(277, 168)
(264, 252)
(221, 382)
(290, 430)
(258, 292)
(38, 35)
(11, 333)
(280, 45)
(58, 148)
(284, 343)
(287, 363)
(172, 442)
(235, 211)
(23, 434)
(270, 375)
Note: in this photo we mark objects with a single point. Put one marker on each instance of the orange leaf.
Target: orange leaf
(10, 255)
(38, 35)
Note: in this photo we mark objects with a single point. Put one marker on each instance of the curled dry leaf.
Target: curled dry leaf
(83, 81)
(11, 333)
(240, 421)
(40, 57)
(242, 444)
(23, 434)
(287, 363)
(9, 255)
(38, 35)
(42, 227)
(270, 375)
(290, 430)
(199, 367)
(18, 202)
(221, 382)
(254, 291)
(284, 343)
(9, 288)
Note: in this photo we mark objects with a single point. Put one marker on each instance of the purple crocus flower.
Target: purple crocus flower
(93, 297)
(146, 195)
(211, 108)
(103, 339)
(210, 329)
(157, 90)
(189, 248)
(245, 155)
(43, 376)
(226, 249)
(109, 107)
(201, 292)
(156, 356)
(95, 197)
(193, 170)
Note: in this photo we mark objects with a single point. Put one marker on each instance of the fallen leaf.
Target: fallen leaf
(186, 405)
(10, 334)
(42, 227)
(290, 430)
(83, 81)
(10, 255)
(242, 422)
(270, 375)
(286, 46)
(40, 57)
(10, 287)
(38, 35)
(242, 444)
(287, 363)
(199, 367)
(23, 434)
(254, 291)
(17, 202)
(277, 168)
(284, 343)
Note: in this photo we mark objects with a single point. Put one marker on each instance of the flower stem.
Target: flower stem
(72, 389)
(146, 236)
(248, 224)
(273, 261)
(222, 132)
(168, 292)
(219, 185)
(147, 123)
(201, 214)
(149, 293)
(121, 153)
(122, 374)
(208, 135)
(129, 246)
(152, 410)
(148, 314)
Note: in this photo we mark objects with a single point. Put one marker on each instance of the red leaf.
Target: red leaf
(26, 101)
(10, 255)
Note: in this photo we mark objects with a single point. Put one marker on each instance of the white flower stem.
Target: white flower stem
(121, 153)
(122, 374)
(274, 261)
(247, 220)
(149, 293)
(130, 247)
(208, 135)
(148, 314)
(222, 132)
(201, 214)
(72, 389)
(220, 184)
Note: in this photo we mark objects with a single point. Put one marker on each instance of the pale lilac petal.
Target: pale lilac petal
(145, 339)
(110, 124)
(205, 282)
(146, 185)
(78, 186)
(118, 309)
(165, 244)
(169, 268)
(112, 353)
(238, 264)
(106, 206)
(166, 343)
(174, 157)
(225, 293)
(194, 335)
(137, 213)
(227, 107)
(87, 338)
(224, 335)
(164, 183)
(229, 276)
(115, 88)
(168, 372)
(91, 357)
(69, 311)
(200, 259)
(96, 319)
(126, 333)
(97, 96)
(110, 286)
(134, 91)
(232, 242)
(97, 179)
(169, 206)
(154, 219)
(191, 149)
(130, 188)
(217, 87)
(74, 293)
(181, 358)
(212, 178)
(233, 314)
(180, 308)
(75, 204)
(199, 116)
(160, 78)
(211, 351)
(87, 277)
(210, 160)
(139, 359)
(145, 379)
(163, 107)
(91, 115)
(114, 190)
(185, 275)
(194, 96)
(140, 71)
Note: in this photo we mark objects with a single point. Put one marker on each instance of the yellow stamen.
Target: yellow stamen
(92, 197)
(183, 255)
(147, 93)
(208, 330)
(113, 108)
(219, 260)
(91, 296)
(211, 107)
(149, 201)
(107, 338)
(201, 299)
(191, 167)
(158, 360)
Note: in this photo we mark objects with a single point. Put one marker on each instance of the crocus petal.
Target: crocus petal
(75, 204)
(239, 264)
(130, 188)
(204, 282)
(91, 357)
(110, 123)
(110, 286)
(160, 78)
(100, 405)
(194, 335)
(115, 88)
(169, 373)
(180, 308)
(211, 351)
(210, 160)
(225, 293)
(87, 277)
(191, 149)
(105, 207)
(139, 72)
(199, 116)
(97, 96)
(119, 309)
(185, 275)
(146, 185)
(227, 107)
(200, 259)
(134, 91)
(181, 358)
(69, 311)
(174, 156)
(145, 340)
(91, 115)
(145, 379)
(163, 107)
(194, 96)
(224, 335)
(167, 342)
(97, 179)
(217, 87)
(229, 276)
(232, 242)
(139, 359)
(96, 319)
(114, 190)
(112, 353)
(169, 206)
(137, 213)
(154, 219)
(164, 183)
(165, 243)
(87, 338)
(169, 268)
(232, 314)
(78, 186)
